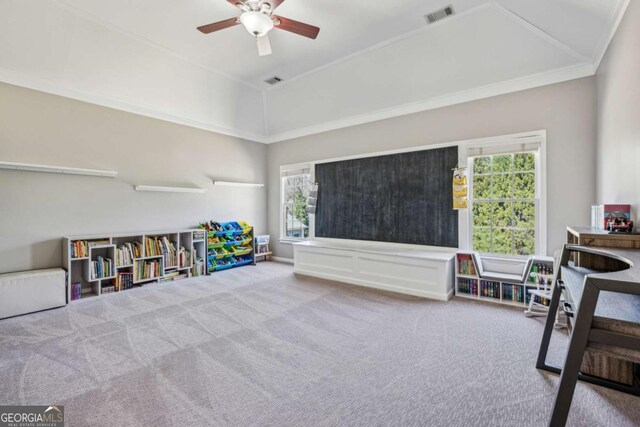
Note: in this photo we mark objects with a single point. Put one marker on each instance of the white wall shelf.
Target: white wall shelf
(57, 169)
(154, 188)
(237, 184)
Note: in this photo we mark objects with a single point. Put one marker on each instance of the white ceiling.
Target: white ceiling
(371, 60)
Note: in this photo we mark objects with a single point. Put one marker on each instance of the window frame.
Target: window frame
(281, 217)
(466, 221)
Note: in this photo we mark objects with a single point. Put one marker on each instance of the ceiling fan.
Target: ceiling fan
(258, 19)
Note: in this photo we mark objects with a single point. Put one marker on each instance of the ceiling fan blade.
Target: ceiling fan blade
(217, 26)
(296, 27)
(236, 3)
(264, 46)
(273, 3)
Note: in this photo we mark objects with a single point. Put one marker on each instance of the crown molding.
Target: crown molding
(523, 83)
(586, 67)
(615, 19)
(22, 80)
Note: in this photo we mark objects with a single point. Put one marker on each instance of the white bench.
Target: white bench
(29, 291)
(392, 267)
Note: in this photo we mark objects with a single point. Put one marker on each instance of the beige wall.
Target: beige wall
(565, 110)
(618, 139)
(37, 209)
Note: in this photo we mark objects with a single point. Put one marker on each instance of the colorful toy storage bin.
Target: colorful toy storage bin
(223, 264)
(229, 245)
(215, 241)
(246, 228)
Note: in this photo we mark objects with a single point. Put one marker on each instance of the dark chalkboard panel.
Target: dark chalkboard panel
(402, 198)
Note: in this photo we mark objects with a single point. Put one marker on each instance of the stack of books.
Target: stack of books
(101, 242)
(79, 249)
(101, 268)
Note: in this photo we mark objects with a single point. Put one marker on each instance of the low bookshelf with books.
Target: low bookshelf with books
(103, 264)
(470, 284)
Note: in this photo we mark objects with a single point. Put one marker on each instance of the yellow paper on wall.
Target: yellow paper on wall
(460, 193)
(460, 180)
(460, 203)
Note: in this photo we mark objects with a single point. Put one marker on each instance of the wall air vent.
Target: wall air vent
(439, 14)
(273, 80)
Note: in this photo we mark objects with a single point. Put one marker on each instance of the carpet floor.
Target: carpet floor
(260, 346)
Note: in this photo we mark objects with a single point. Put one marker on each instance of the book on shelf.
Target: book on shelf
(79, 249)
(466, 265)
(185, 257)
(101, 242)
(538, 300)
(124, 280)
(125, 255)
(76, 291)
(161, 246)
(489, 289)
(468, 286)
(108, 289)
(101, 268)
(513, 293)
(602, 215)
(148, 269)
(198, 267)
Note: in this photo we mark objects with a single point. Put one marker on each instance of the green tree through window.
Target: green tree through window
(504, 204)
(295, 194)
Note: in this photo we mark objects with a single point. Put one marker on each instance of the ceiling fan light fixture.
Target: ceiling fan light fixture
(256, 23)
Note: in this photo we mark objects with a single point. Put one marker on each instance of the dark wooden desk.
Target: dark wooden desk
(603, 308)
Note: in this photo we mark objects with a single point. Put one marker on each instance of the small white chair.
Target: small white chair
(537, 309)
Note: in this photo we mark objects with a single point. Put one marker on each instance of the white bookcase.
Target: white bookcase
(104, 245)
(468, 284)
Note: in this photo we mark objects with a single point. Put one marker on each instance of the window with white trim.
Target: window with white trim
(294, 191)
(505, 199)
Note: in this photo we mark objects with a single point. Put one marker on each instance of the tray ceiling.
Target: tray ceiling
(371, 60)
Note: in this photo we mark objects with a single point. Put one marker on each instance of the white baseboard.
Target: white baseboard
(280, 259)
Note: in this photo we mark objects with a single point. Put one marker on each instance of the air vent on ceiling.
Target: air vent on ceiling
(439, 14)
(273, 80)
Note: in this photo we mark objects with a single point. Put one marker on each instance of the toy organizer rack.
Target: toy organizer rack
(470, 285)
(102, 264)
(232, 246)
